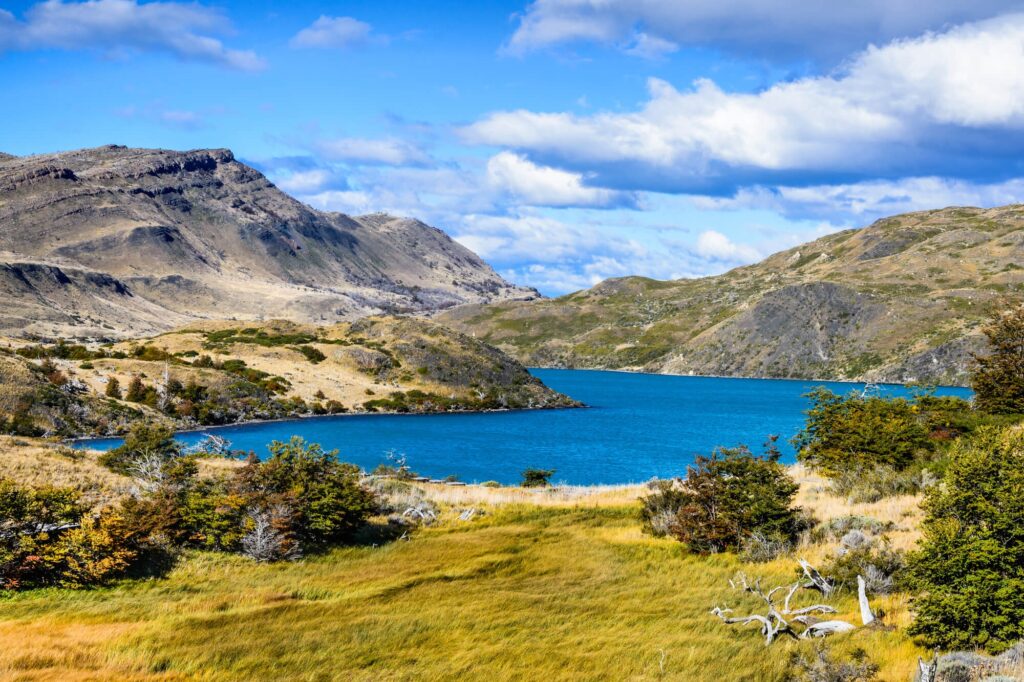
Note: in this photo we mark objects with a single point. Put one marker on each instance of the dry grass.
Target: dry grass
(35, 461)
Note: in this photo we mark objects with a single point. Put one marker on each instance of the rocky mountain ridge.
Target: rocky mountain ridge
(901, 300)
(116, 242)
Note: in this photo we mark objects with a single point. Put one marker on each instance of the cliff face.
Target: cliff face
(115, 241)
(901, 300)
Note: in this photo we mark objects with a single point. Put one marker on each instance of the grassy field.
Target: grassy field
(551, 587)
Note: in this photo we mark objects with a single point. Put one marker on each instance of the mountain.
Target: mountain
(901, 300)
(121, 242)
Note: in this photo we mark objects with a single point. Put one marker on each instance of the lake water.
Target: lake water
(637, 426)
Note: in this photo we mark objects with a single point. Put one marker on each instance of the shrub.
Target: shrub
(870, 484)
(970, 567)
(857, 433)
(314, 355)
(869, 557)
(113, 389)
(760, 548)
(136, 391)
(726, 498)
(326, 495)
(144, 439)
(537, 478)
(822, 667)
(998, 378)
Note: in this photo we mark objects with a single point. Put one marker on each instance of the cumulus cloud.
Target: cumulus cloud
(928, 102)
(184, 30)
(536, 185)
(765, 28)
(391, 151)
(716, 246)
(334, 32)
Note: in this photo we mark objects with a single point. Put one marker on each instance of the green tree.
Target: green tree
(136, 390)
(726, 498)
(969, 571)
(848, 433)
(113, 389)
(143, 439)
(326, 496)
(998, 378)
(537, 478)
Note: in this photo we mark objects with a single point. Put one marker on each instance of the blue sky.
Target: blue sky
(566, 141)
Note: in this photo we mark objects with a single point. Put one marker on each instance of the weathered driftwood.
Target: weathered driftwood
(779, 620)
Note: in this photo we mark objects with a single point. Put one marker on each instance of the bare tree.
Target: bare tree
(265, 541)
(147, 471)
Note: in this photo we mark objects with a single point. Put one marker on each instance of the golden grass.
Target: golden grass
(523, 592)
(35, 461)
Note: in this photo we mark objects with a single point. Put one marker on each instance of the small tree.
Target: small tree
(969, 571)
(998, 378)
(136, 390)
(145, 439)
(113, 389)
(537, 478)
(727, 497)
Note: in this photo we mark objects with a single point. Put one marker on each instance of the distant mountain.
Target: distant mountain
(123, 242)
(901, 300)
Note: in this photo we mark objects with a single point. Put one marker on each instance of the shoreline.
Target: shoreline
(740, 378)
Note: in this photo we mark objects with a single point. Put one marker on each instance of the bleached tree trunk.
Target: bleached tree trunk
(866, 616)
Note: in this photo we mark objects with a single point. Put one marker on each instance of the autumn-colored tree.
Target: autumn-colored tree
(113, 388)
(136, 391)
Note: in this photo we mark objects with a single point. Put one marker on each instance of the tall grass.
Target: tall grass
(523, 592)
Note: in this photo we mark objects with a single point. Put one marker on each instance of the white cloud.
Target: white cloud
(333, 32)
(536, 185)
(386, 151)
(887, 109)
(650, 47)
(772, 28)
(716, 246)
(869, 200)
(181, 29)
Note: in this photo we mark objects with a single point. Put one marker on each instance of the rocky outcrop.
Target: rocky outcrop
(901, 300)
(199, 234)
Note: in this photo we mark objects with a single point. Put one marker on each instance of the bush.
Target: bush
(858, 433)
(725, 499)
(537, 478)
(822, 667)
(970, 568)
(998, 378)
(136, 390)
(871, 484)
(144, 439)
(113, 389)
(314, 355)
(869, 557)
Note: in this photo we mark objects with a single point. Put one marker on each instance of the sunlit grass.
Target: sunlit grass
(522, 592)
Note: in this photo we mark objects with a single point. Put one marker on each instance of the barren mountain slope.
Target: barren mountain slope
(900, 300)
(116, 241)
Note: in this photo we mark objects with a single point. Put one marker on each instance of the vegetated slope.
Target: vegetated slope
(121, 242)
(901, 300)
(219, 372)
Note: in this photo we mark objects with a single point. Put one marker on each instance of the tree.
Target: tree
(113, 389)
(727, 497)
(327, 497)
(136, 391)
(969, 571)
(144, 439)
(856, 432)
(537, 478)
(998, 378)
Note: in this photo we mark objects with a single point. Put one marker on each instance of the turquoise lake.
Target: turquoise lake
(636, 426)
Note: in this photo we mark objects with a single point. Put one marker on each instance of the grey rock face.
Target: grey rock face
(197, 234)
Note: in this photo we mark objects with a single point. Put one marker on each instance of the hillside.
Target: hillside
(218, 372)
(118, 242)
(900, 300)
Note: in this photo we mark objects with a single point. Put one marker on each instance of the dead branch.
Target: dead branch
(816, 579)
(866, 616)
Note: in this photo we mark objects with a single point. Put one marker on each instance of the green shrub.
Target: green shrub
(144, 438)
(537, 478)
(726, 498)
(969, 571)
(312, 354)
(857, 433)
